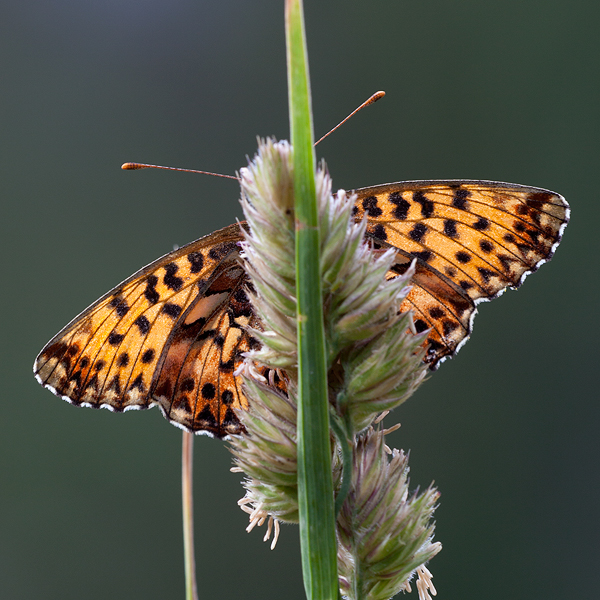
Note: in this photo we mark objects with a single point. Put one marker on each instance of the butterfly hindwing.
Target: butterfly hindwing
(195, 383)
(437, 304)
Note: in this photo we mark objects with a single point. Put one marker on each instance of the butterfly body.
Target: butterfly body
(174, 333)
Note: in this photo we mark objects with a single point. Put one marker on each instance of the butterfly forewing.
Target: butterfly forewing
(114, 354)
(173, 334)
(471, 240)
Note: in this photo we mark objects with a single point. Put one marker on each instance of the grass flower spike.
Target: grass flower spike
(384, 534)
(374, 363)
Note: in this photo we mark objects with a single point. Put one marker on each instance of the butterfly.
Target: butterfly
(174, 333)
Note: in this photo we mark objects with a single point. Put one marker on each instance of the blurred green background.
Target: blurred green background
(89, 500)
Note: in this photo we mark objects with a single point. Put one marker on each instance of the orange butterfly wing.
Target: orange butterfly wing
(471, 241)
(174, 333)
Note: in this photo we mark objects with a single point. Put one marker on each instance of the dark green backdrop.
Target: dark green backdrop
(90, 501)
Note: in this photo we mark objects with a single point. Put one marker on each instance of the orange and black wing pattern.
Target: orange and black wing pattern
(470, 239)
(172, 334)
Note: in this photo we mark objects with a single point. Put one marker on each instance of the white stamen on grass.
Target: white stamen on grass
(391, 429)
(248, 369)
(258, 516)
(381, 417)
(424, 584)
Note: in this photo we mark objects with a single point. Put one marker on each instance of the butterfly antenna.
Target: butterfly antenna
(376, 96)
(131, 166)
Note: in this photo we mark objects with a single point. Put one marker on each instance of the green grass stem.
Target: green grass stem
(315, 486)
(187, 453)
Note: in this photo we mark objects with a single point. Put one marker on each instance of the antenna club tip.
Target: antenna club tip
(128, 166)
